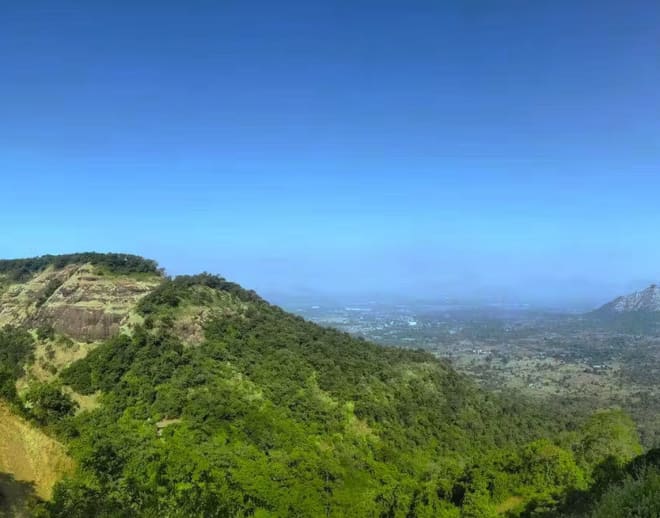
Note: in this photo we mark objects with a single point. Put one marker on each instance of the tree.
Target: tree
(637, 496)
(7, 384)
(47, 404)
(608, 441)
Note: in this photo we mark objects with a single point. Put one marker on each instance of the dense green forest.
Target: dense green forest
(273, 416)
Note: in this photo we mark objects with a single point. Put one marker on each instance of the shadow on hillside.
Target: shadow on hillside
(16, 497)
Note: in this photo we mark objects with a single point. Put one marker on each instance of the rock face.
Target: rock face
(79, 301)
(645, 301)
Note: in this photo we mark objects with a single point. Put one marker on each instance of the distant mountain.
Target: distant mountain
(645, 301)
(638, 312)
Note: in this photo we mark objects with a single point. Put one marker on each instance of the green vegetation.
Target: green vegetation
(16, 497)
(44, 403)
(637, 495)
(268, 415)
(16, 348)
(20, 270)
(274, 416)
(631, 490)
(172, 292)
(47, 404)
(634, 322)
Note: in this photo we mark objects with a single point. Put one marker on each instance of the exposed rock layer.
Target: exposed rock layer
(79, 301)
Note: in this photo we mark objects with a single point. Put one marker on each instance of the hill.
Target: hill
(645, 301)
(199, 398)
(638, 312)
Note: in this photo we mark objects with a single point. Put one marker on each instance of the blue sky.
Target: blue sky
(420, 148)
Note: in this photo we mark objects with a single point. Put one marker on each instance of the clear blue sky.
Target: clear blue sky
(416, 147)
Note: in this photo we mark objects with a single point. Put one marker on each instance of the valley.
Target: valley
(562, 359)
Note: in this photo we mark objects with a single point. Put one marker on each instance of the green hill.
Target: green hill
(205, 400)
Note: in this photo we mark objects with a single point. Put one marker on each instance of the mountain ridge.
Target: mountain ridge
(642, 301)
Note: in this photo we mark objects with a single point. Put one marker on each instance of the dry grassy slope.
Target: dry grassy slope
(30, 455)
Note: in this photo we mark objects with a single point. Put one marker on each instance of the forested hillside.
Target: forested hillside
(209, 401)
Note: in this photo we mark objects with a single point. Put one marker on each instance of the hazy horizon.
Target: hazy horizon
(374, 149)
(558, 294)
